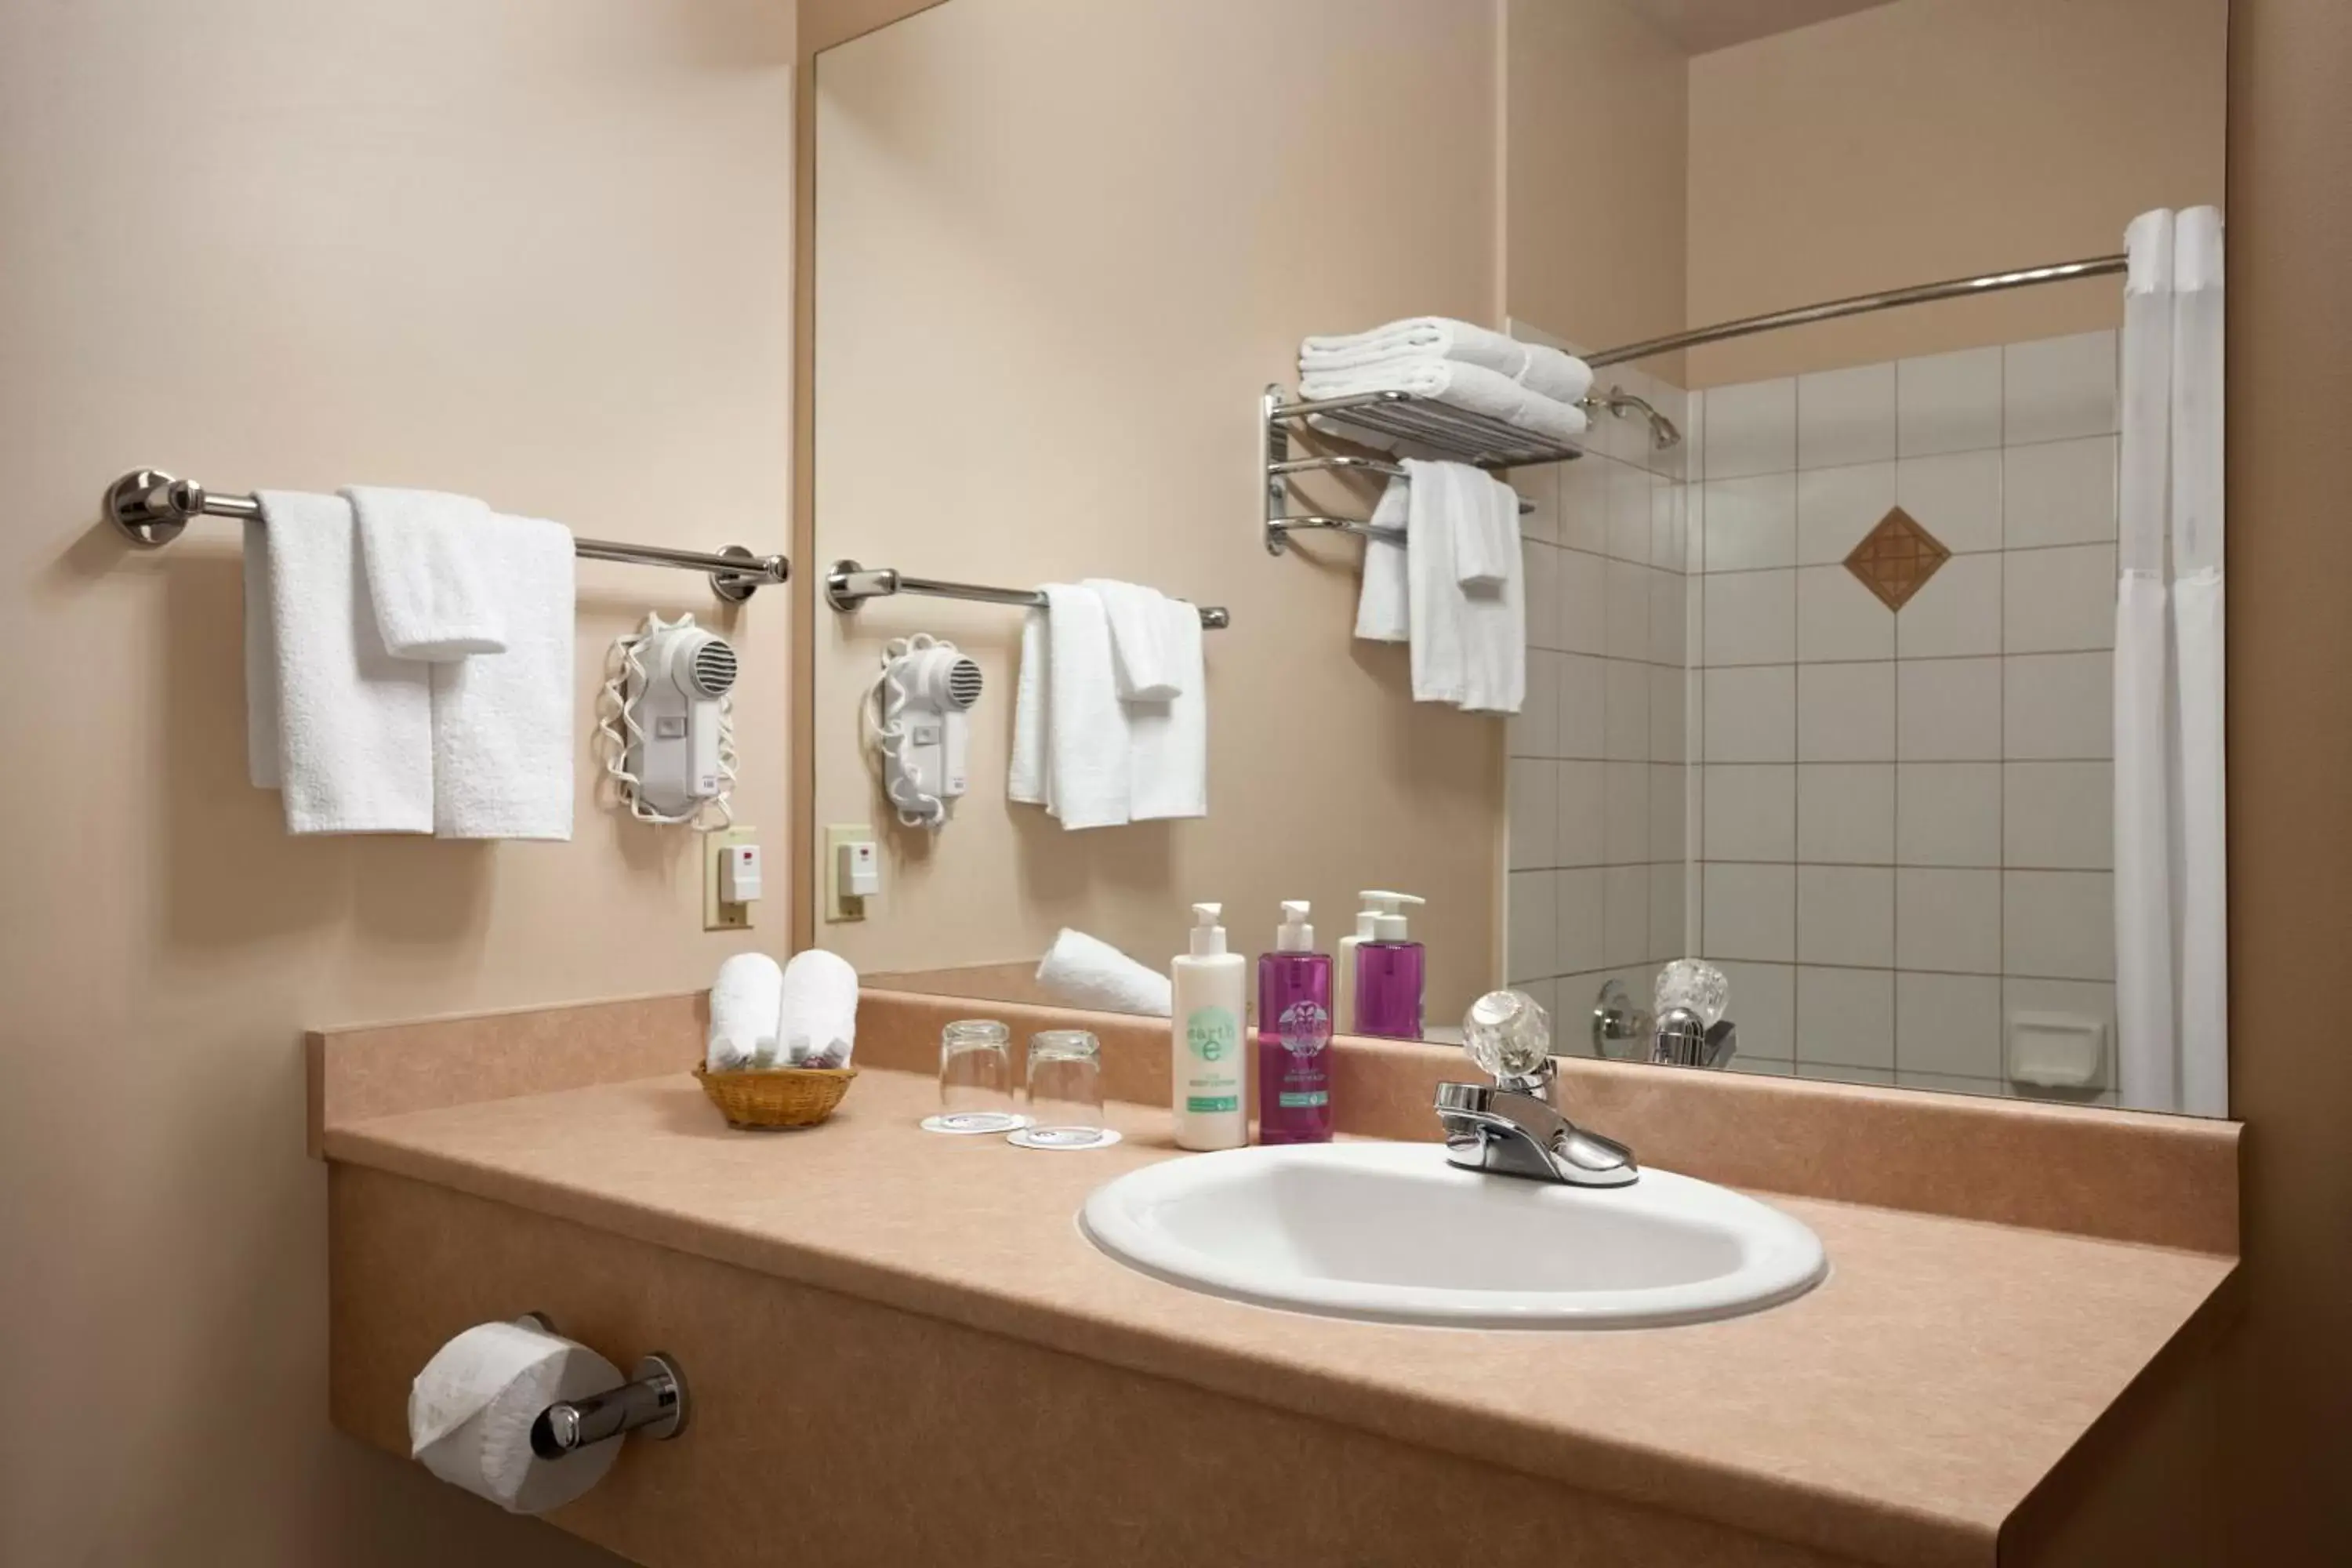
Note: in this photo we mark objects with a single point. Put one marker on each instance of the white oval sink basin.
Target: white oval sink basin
(1392, 1232)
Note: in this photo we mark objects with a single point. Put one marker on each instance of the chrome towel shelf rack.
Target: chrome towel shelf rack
(1446, 431)
(151, 507)
(849, 585)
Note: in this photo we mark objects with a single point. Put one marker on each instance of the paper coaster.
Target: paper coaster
(975, 1123)
(1063, 1138)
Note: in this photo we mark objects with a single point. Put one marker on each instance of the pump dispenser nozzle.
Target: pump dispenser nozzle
(1384, 918)
(1208, 929)
(1295, 935)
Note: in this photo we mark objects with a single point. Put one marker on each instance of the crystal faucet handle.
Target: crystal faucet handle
(1507, 1033)
(1695, 985)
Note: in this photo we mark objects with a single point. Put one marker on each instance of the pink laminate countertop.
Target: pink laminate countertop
(1896, 1413)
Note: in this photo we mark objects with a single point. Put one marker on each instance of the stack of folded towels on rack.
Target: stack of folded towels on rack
(1443, 568)
(1110, 719)
(408, 665)
(1458, 364)
(764, 1014)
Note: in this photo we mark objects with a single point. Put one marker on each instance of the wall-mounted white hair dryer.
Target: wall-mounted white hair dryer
(677, 686)
(922, 726)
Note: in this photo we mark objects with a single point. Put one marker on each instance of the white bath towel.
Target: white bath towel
(1167, 756)
(1027, 780)
(502, 724)
(424, 554)
(819, 1012)
(1457, 386)
(1143, 659)
(345, 728)
(1494, 623)
(1383, 602)
(746, 1006)
(1536, 367)
(1086, 971)
(1071, 740)
(1486, 523)
(1469, 643)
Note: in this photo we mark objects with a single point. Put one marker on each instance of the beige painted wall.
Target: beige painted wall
(1061, 246)
(533, 249)
(1593, 156)
(1936, 139)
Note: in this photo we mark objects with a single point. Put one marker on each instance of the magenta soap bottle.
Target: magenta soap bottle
(1389, 966)
(1294, 1035)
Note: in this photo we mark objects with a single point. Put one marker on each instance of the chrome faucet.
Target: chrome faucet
(1513, 1127)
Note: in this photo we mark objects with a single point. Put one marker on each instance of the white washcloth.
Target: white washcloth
(339, 726)
(1459, 385)
(1536, 367)
(1071, 740)
(818, 1025)
(434, 600)
(1086, 971)
(747, 1004)
(1168, 757)
(502, 739)
(1142, 659)
(1383, 602)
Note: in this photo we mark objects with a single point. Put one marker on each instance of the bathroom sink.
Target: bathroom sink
(1392, 1232)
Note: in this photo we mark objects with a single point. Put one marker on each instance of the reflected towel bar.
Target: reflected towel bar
(151, 507)
(849, 585)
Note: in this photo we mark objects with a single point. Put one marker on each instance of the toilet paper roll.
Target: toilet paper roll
(470, 1413)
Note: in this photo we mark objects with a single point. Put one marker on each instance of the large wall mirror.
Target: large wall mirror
(1820, 661)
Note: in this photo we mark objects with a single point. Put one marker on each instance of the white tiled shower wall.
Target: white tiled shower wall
(1896, 824)
(1598, 797)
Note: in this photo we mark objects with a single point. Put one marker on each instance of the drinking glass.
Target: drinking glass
(1064, 1093)
(975, 1079)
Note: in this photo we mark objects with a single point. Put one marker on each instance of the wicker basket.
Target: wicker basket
(778, 1096)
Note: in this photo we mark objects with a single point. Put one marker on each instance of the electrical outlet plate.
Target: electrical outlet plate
(838, 907)
(718, 914)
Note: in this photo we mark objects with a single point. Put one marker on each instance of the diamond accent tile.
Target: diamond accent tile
(1896, 559)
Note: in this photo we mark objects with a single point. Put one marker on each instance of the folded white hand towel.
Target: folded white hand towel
(746, 1006)
(1384, 604)
(1029, 780)
(1536, 367)
(1486, 534)
(503, 725)
(819, 1011)
(1168, 762)
(1142, 658)
(1457, 385)
(346, 728)
(1086, 971)
(1089, 778)
(435, 599)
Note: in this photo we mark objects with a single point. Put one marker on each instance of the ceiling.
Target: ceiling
(1704, 25)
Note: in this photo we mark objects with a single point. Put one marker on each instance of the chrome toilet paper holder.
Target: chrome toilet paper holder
(653, 1402)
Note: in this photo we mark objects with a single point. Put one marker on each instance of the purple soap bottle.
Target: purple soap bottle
(1388, 970)
(1294, 1035)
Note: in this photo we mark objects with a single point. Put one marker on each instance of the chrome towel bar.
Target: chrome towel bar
(849, 585)
(151, 507)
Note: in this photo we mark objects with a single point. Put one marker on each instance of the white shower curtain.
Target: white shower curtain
(2171, 975)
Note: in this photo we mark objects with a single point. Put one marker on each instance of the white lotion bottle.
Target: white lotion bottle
(1206, 1044)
